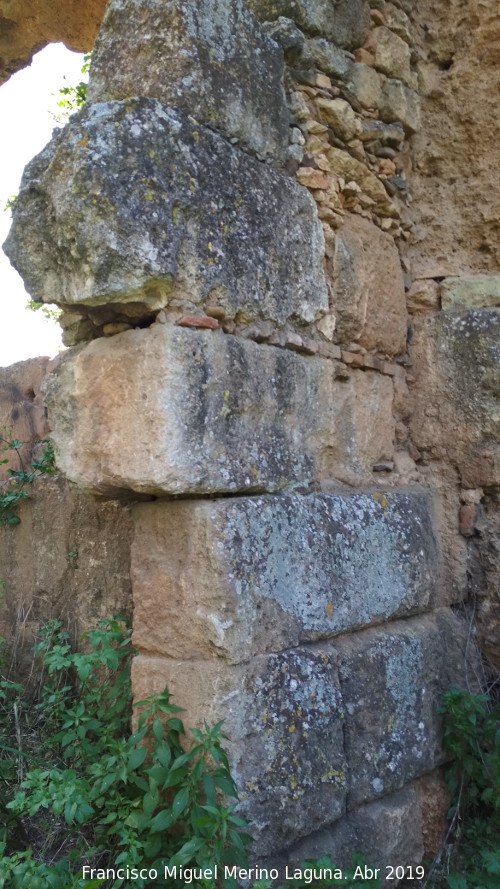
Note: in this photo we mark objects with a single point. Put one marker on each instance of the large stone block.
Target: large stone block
(470, 292)
(133, 206)
(233, 578)
(210, 58)
(367, 288)
(167, 410)
(456, 359)
(283, 716)
(345, 24)
(386, 832)
(391, 680)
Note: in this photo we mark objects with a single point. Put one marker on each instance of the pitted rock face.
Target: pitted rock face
(346, 24)
(457, 359)
(209, 58)
(263, 574)
(390, 681)
(135, 203)
(169, 410)
(284, 717)
(367, 287)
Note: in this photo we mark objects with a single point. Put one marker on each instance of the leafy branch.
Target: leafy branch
(13, 490)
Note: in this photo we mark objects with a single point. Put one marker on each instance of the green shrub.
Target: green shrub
(14, 489)
(82, 789)
(472, 737)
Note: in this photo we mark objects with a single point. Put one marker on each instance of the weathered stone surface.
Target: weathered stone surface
(391, 134)
(328, 58)
(434, 803)
(283, 715)
(422, 297)
(291, 39)
(68, 559)
(233, 578)
(397, 20)
(339, 115)
(134, 205)
(365, 84)
(392, 55)
(26, 27)
(212, 60)
(390, 681)
(483, 569)
(349, 168)
(470, 291)
(171, 410)
(384, 832)
(456, 364)
(400, 103)
(455, 182)
(69, 556)
(22, 412)
(367, 288)
(345, 24)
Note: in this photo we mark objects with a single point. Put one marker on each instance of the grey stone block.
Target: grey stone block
(391, 682)
(134, 205)
(268, 573)
(345, 24)
(387, 833)
(283, 716)
(212, 60)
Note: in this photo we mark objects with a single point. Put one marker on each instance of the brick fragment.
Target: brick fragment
(467, 518)
(329, 350)
(354, 359)
(199, 321)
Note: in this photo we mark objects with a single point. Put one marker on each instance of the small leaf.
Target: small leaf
(162, 821)
(137, 757)
(180, 801)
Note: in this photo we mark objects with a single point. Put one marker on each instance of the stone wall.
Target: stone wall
(264, 346)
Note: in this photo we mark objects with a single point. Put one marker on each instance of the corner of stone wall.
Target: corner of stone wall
(254, 350)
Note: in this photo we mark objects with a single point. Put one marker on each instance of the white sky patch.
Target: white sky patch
(26, 103)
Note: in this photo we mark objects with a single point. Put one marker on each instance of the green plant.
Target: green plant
(9, 203)
(84, 792)
(14, 490)
(472, 737)
(48, 310)
(73, 97)
(72, 557)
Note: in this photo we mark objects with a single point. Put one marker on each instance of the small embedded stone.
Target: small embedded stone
(340, 116)
(323, 81)
(392, 55)
(389, 369)
(114, 328)
(312, 178)
(310, 347)
(364, 56)
(294, 341)
(377, 17)
(384, 466)
(201, 321)
(354, 359)
(467, 518)
(329, 350)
